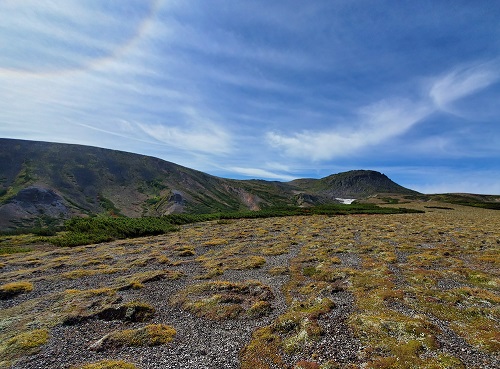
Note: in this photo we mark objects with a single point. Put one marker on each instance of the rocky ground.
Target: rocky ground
(364, 267)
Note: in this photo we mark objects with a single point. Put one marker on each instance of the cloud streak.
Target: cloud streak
(52, 38)
(207, 137)
(374, 125)
(261, 173)
(463, 82)
(377, 123)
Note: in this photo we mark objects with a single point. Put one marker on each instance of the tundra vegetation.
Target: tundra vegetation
(407, 290)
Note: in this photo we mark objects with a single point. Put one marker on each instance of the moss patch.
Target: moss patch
(225, 300)
(26, 343)
(106, 364)
(150, 335)
(12, 289)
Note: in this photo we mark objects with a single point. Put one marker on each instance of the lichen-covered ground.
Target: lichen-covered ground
(356, 291)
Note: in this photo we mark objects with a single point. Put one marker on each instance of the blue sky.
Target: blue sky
(258, 89)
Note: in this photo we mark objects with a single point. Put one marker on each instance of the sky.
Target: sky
(275, 90)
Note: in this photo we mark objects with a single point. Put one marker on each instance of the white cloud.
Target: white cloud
(278, 166)
(120, 129)
(379, 122)
(477, 185)
(463, 82)
(431, 179)
(224, 42)
(47, 37)
(375, 124)
(208, 138)
(261, 173)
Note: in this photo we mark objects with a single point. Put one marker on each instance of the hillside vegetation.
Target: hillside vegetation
(412, 290)
(41, 184)
(82, 231)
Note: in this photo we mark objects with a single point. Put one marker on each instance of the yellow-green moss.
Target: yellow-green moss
(215, 242)
(263, 351)
(259, 308)
(106, 364)
(137, 280)
(279, 270)
(225, 300)
(184, 251)
(12, 289)
(150, 335)
(23, 344)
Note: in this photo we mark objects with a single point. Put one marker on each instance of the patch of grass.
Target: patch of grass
(106, 364)
(212, 273)
(279, 270)
(263, 351)
(185, 251)
(75, 306)
(6, 250)
(137, 280)
(162, 259)
(19, 242)
(12, 289)
(299, 325)
(439, 207)
(390, 200)
(150, 335)
(234, 258)
(133, 311)
(159, 334)
(215, 242)
(220, 300)
(25, 343)
(259, 308)
(276, 249)
(80, 273)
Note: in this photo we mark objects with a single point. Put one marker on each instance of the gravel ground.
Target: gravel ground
(199, 343)
(451, 342)
(202, 343)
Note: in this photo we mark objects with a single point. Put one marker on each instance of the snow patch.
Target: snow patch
(345, 201)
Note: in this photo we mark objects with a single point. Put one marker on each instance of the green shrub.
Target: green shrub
(83, 231)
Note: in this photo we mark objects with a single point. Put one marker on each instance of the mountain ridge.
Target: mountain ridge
(42, 180)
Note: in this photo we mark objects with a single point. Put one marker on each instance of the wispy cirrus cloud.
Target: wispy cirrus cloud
(462, 82)
(373, 125)
(377, 123)
(450, 180)
(46, 37)
(261, 173)
(207, 138)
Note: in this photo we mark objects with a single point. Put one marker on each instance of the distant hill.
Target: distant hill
(353, 184)
(44, 182)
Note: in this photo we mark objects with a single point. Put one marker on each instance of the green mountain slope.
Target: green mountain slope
(352, 184)
(41, 181)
